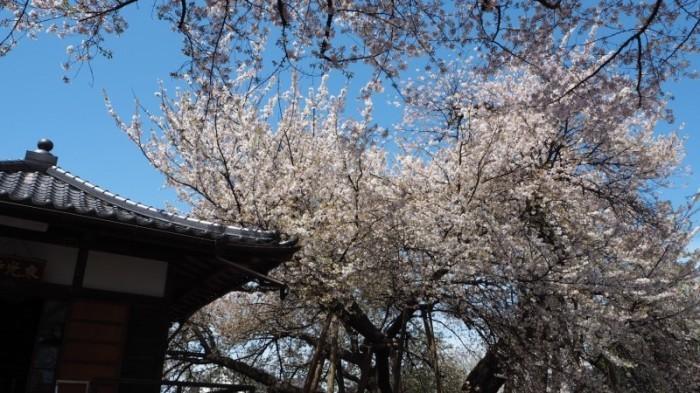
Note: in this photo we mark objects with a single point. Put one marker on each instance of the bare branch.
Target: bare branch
(282, 12)
(97, 14)
(551, 5)
(183, 13)
(642, 29)
(325, 44)
(17, 21)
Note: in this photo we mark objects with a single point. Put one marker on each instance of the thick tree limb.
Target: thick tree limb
(316, 363)
(273, 383)
(398, 324)
(381, 357)
(358, 320)
(344, 354)
(485, 377)
(325, 44)
(183, 13)
(432, 348)
(332, 358)
(355, 318)
(282, 13)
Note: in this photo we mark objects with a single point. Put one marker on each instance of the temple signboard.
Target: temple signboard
(13, 266)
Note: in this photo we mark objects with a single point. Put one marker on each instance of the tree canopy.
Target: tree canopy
(647, 40)
(531, 221)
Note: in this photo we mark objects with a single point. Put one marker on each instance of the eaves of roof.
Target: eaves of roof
(40, 183)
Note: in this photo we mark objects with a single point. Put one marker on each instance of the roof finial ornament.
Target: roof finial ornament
(45, 145)
(42, 156)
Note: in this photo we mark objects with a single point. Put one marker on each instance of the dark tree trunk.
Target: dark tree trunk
(365, 371)
(485, 377)
(381, 356)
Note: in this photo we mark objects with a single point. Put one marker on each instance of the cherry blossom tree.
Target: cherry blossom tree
(514, 212)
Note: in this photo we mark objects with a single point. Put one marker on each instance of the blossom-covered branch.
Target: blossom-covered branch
(525, 216)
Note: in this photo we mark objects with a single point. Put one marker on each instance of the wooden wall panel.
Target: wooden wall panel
(99, 312)
(94, 353)
(76, 330)
(145, 347)
(93, 344)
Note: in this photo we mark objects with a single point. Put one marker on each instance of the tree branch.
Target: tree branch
(358, 320)
(325, 44)
(485, 376)
(551, 5)
(97, 14)
(273, 383)
(628, 41)
(281, 11)
(17, 21)
(183, 12)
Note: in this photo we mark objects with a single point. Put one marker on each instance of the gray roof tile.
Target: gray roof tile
(51, 187)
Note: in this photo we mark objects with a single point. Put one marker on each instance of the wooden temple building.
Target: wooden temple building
(91, 283)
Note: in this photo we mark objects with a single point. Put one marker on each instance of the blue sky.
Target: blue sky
(36, 103)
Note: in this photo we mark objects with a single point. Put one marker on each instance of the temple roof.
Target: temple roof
(206, 260)
(37, 181)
